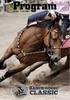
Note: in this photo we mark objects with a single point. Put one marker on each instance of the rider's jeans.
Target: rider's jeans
(65, 25)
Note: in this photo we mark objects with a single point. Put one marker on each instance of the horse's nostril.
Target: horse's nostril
(50, 52)
(56, 59)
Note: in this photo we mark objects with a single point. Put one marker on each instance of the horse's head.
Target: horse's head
(55, 41)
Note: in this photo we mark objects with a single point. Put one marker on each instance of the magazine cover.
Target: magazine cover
(34, 49)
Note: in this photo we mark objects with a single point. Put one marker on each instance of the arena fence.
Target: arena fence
(3, 5)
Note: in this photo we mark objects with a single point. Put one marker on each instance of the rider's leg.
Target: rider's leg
(65, 25)
(37, 17)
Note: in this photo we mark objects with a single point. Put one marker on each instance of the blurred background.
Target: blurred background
(7, 5)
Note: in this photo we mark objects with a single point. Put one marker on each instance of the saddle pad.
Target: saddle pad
(42, 24)
(66, 43)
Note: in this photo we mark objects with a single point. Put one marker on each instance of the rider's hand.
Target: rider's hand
(53, 14)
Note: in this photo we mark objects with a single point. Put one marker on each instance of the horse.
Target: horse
(30, 46)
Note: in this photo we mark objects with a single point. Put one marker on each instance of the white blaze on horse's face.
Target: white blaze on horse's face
(54, 33)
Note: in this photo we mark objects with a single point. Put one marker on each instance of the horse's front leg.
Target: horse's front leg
(21, 67)
(12, 50)
(7, 54)
(11, 72)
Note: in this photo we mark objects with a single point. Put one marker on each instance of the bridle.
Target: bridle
(22, 54)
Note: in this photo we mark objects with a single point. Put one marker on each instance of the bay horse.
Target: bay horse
(29, 46)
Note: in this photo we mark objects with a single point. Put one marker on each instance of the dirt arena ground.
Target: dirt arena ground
(10, 24)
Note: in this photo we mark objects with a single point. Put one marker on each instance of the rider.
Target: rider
(63, 9)
(39, 17)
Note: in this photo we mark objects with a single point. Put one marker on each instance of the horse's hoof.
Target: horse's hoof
(3, 66)
(2, 78)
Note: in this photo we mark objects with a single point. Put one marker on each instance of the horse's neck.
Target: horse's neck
(31, 39)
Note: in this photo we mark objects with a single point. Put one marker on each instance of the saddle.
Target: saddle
(42, 24)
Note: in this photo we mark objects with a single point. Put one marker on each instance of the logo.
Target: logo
(20, 90)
